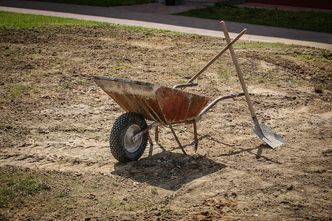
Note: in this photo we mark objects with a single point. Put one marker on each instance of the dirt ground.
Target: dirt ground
(55, 123)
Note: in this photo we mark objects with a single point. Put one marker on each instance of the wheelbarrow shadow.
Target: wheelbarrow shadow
(168, 170)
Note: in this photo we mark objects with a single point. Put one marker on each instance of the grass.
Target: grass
(13, 188)
(224, 72)
(105, 3)
(263, 45)
(13, 91)
(321, 56)
(18, 20)
(305, 20)
(36, 195)
(154, 191)
(119, 66)
(12, 20)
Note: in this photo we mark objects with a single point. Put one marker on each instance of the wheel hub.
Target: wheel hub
(131, 145)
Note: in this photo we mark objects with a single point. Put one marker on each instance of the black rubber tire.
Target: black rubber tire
(117, 136)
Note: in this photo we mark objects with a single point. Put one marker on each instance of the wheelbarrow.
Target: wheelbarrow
(165, 106)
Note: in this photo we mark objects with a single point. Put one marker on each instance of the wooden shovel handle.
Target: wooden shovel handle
(239, 73)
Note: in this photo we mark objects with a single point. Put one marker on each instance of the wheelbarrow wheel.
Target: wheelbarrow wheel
(123, 147)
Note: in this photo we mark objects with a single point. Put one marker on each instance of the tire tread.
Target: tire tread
(119, 127)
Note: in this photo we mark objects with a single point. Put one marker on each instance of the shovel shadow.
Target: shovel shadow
(168, 170)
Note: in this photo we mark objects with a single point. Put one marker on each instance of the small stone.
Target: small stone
(46, 97)
(318, 90)
(290, 187)
(205, 213)
(91, 196)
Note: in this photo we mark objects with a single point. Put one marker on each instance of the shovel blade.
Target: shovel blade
(268, 136)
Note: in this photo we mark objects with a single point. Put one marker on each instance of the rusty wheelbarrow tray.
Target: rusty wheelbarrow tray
(166, 106)
(154, 102)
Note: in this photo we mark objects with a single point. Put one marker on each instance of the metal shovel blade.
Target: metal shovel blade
(268, 136)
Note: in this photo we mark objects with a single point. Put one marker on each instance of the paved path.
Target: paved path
(157, 16)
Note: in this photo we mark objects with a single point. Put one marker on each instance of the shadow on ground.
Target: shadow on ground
(168, 170)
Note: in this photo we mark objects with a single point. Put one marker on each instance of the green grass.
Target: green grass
(18, 20)
(106, 3)
(19, 90)
(224, 72)
(322, 56)
(13, 188)
(263, 45)
(304, 20)
(12, 20)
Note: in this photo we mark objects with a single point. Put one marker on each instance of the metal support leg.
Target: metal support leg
(156, 138)
(151, 145)
(195, 136)
(156, 134)
(177, 139)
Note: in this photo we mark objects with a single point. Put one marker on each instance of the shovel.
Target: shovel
(261, 130)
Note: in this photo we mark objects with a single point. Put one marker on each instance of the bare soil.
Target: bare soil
(55, 123)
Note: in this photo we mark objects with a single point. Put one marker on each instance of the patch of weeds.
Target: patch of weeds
(134, 204)
(224, 73)
(270, 79)
(154, 191)
(298, 82)
(98, 138)
(3, 217)
(63, 194)
(263, 45)
(64, 128)
(94, 185)
(67, 85)
(128, 207)
(14, 188)
(115, 184)
(322, 56)
(14, 91)
(326, 54)
(7, 51)
(119, 66)
(140, 29)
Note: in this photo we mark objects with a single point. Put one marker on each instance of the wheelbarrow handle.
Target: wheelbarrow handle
(184, 85)
(217, 56)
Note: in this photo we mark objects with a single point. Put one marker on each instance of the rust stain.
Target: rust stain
(179, 106)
